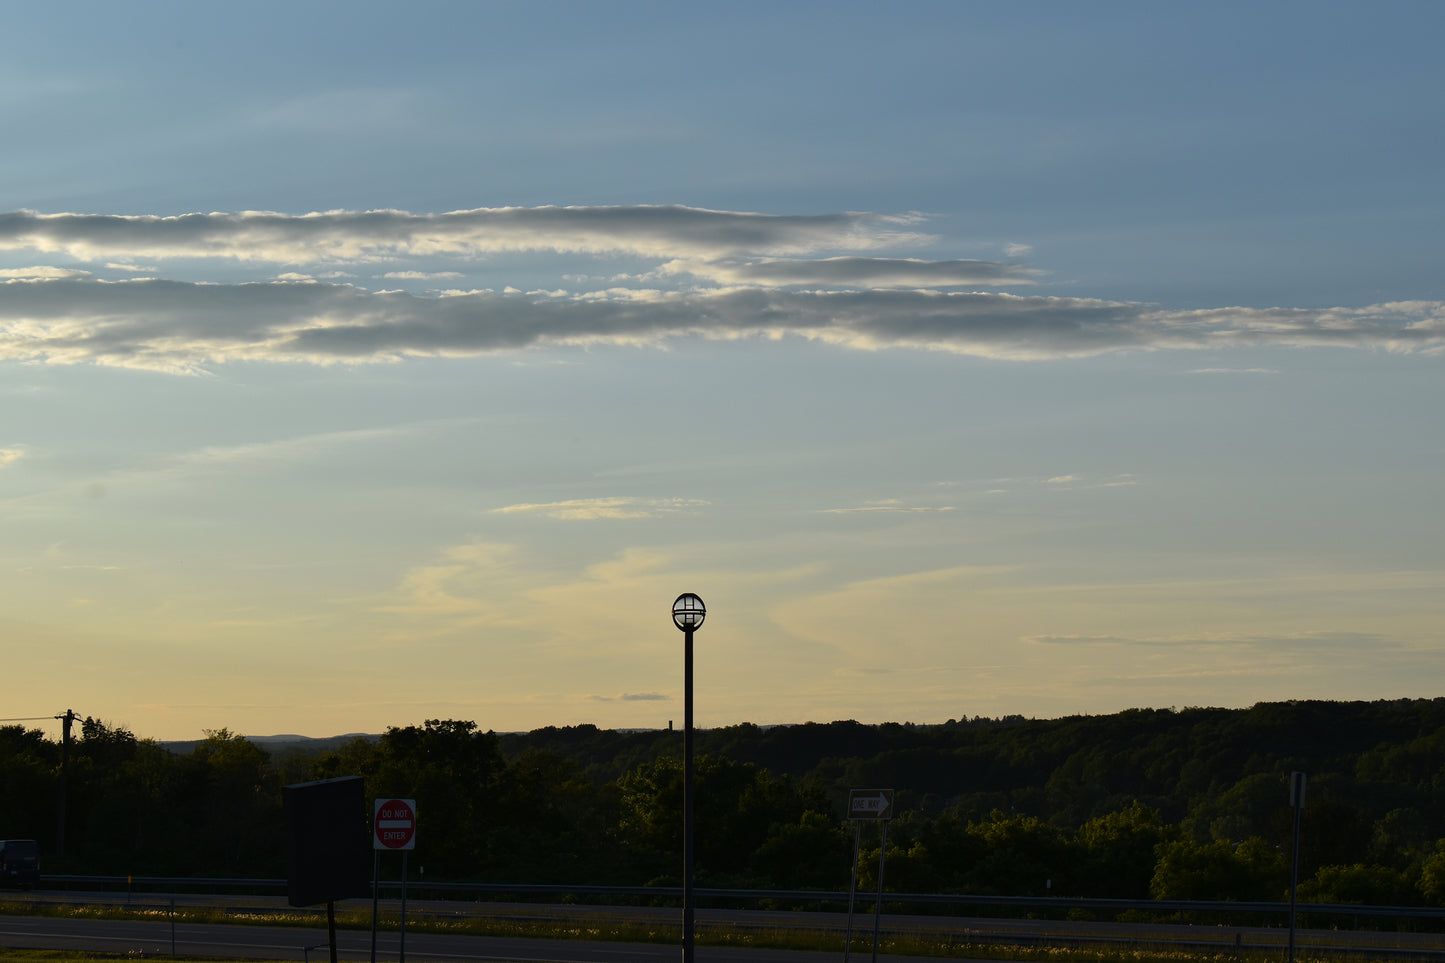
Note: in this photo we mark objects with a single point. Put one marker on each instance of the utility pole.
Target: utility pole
(65, 721)
(1297, 803)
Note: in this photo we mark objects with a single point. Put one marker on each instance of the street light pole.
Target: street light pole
(688, 612)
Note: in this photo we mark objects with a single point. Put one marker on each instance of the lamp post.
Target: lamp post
(687, 614)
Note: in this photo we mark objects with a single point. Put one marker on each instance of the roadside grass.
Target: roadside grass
(72, 956)
(977, 946)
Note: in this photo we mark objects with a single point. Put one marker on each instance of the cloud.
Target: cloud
(1061, 480)
(448, 588)
(421, 275)
(182, 326)
(891, 505)
(632, 697)
(672, 231)
(1348, 641)
(1258, 371)
(41, 271)
(9, 456)
(855, 272)
(592, 509)
(136, 268)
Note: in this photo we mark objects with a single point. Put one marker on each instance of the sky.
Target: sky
(367, 363)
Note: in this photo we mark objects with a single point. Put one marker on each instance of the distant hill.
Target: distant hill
(279, 743)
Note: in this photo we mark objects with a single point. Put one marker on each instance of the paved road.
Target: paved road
(234, 940)
(286, 943)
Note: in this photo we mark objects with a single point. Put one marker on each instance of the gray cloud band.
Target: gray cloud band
(172, 325)
(855, 272)
(672, 231)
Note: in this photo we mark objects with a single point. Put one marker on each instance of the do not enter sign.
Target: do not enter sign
(394, 824)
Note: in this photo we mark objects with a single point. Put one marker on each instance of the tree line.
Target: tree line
(1148, 803)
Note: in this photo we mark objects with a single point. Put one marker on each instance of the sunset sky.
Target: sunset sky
(368, 363)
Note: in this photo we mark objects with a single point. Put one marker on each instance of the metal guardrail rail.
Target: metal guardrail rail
(1064, 903)
(1246, 933)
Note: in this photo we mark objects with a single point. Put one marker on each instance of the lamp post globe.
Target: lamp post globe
(688, 612)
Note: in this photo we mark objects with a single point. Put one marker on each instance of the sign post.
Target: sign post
(393, 826)
(1297, 782)
(867, 805)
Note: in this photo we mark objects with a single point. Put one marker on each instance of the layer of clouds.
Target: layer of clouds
(8, 456)
(421, 275)
(855, 272)
(41, 272)
(361, 235)
(737, 274)
(183, 326)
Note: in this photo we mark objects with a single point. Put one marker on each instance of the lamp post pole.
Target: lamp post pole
(688, 612)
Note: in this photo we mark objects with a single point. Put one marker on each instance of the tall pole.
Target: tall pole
(65, 722)
(852, 888)
(688, 612)
(375, 896)
(688, 907)
(1297, 782)
(878, 903)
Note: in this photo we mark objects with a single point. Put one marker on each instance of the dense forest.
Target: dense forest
(1189, 804)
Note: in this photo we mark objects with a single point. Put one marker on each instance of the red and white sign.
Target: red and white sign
(394, 824)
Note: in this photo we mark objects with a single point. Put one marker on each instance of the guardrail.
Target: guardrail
(1060, 903)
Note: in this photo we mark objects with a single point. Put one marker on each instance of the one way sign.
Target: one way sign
(870, 804)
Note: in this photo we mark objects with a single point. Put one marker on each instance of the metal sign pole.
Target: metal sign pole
(1297, 803)
(852, 889)
(401, 958)
(875, 805)
(878, 906)
(375, 876)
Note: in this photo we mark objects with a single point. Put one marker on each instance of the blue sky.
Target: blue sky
(361, 363)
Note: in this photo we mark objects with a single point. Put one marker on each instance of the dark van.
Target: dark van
(19, 863)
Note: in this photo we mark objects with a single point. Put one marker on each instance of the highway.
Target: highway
(286, 943)
(153, 938)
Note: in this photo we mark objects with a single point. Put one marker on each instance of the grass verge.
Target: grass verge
(606, 930)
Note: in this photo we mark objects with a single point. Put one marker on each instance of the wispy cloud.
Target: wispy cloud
(42, 271)
(855, 272)
(632, 697)
(182, 326)
(1300, 640)
(360, 235)
(9, 456)
(421, 275)
(592, 509)
(889, 505)
(246, 457)
(1248, 371)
